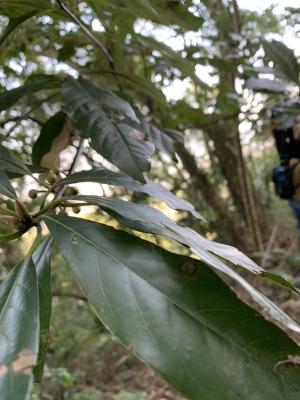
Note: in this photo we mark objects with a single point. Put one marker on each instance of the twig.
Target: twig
(79, 151)
(269, 246)
(237, 17)
(74, 17)
(98, 44)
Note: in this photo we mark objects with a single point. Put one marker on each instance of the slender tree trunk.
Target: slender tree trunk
(232, 228)
(226, 137)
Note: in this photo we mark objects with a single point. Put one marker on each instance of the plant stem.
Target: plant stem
(98, 44)
(59, 202)
(74, 17)
(79, 151)
(49, 207)
(41, 183)
(11, 236)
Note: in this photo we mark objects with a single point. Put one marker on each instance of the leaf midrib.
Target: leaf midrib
(114, 125)
(180, 306)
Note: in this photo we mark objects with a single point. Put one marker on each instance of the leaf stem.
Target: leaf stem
(56, 203)
(98, 44)
(79, 151)
(41, 183)
(74, 17)
(12, 236)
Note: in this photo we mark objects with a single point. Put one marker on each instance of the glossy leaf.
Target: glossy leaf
(258, 69)
(111, 102)
(39, 82)
(10, 163)
(146, 216)
(266, 85)
(284, 59)
(41, 260)
(6, 187)
(19, 331)
(163, 139)
(150, 220)
(156, 190)
(178, 316)
(121, 144)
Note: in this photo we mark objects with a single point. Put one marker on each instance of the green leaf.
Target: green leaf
(176, 60)
(19, 331)
(178, 316)
(34, 169)
(266, 85)
(143, 5)
(10, 163)
(150, 220)
(105, 176)
(6, 187)
(36, 83)
(19, 11)
(111, 102)
(163, 139)
(14, 23)
(178, 13)
(117, 141)
(49, 132)
(143, 86)
(41, 260)
(283, 58)
(17, 8)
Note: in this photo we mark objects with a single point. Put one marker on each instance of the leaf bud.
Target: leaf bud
(70, 191)
(33, 193)
(51, 178)
(43, 177)
(55, 171)
(21, 209)
(12, 221)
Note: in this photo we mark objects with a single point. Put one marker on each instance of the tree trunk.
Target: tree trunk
(234, 232)
(226, 136)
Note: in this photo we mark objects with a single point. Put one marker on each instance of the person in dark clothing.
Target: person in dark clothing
(285, 123)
